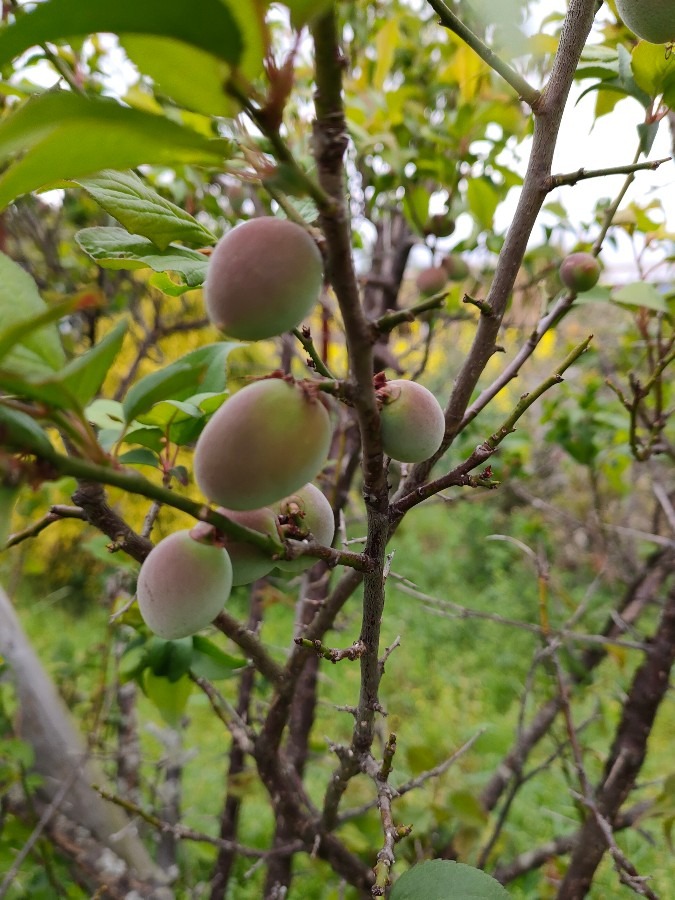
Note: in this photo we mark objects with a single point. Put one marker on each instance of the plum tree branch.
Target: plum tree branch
(450, 21)
(458, 476)
(550, 107)
(571, 178)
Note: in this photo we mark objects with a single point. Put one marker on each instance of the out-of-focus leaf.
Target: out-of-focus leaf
(654, 71)
(115, 248)
(84, 375)
(143, 211)
(170, 698)
(63, 135)
(21, 432)
(482, 199)
(208, 24)
(209, 661)
(641, 293)
(21, 302)
(139, 458)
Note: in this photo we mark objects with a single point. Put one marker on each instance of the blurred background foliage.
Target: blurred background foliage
(431, 162)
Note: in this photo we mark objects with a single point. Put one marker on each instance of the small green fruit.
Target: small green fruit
(183, 585)
(307, 511)
(431, 281)
(413, 423)
(264, 277)
(652, 20)
(440, 225)
(262, 444)
(455, 267)
(580, 272)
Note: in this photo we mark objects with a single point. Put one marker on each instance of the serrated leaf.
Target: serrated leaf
(21, 432)
(84, 375)
(641, 293)
(208, 24)
(209, 661)
(115, 248)
(442, 879)
(202, 370)
(143, 211)
(63, 135)
(20, 302)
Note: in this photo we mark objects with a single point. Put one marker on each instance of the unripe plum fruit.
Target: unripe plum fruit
(652, 20)
(580, 271)
(248, 561)
(440, 225)
(183, 585)
(413, 423)
(305, 511)
(264, 276)
(262, 444)
(455, 267)
(431, 281)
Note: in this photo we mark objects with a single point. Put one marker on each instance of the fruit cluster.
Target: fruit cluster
(257, 455)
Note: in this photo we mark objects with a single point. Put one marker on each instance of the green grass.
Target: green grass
(450, 678)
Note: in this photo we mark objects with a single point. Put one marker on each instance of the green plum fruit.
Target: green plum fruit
(413, 423)
(580, 271)
(456, 267)
(440, 225)
(263, 443)
(651, 20)
(307, 511)
(183, 585)
(431, 281)
(264, 277)
(248, 561)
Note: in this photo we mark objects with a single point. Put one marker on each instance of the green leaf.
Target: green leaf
(654, 71)
(166, 61)
(63, 135)
(442, 879)
(170, 698)
(209, 661)
(647, 132)
(84, 375)
(36, 350)
(482, 199)
(170, 659)
(143, 211)
(115, 248)
(303, 11)
(201, 370)
(208, 24)
(104, 413)
(139, 458)
(641, 293)
(21, 432)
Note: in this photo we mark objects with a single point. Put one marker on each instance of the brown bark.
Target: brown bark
(649, 687)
